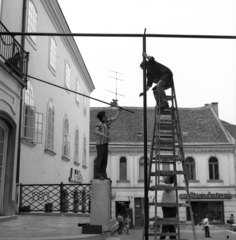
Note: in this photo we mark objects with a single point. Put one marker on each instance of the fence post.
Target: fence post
(61, 197)
(20, 197)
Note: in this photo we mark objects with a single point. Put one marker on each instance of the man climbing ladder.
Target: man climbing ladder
(162, 76)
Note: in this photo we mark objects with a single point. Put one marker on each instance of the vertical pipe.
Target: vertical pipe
(145, 142)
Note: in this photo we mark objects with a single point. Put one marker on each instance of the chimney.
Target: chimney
(215, 107)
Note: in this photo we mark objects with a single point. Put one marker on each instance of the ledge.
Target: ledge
(215, 181)
(64, 158)
(28, 143)
(123, 181)
(50, 152)
(192, 181)
(84, 167)
(76, 164)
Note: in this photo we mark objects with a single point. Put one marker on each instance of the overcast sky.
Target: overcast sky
(204, 69)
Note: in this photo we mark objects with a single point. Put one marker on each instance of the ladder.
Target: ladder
(167, 150)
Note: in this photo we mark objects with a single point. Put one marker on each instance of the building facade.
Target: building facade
(210, 160)
(54, 122)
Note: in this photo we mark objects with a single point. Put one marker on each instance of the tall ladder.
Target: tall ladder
(167, 150)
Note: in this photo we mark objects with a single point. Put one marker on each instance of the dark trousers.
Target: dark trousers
(101, 161)
(169, 212)
(207, 232)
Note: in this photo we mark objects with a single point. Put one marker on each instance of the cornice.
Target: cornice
(55, 13)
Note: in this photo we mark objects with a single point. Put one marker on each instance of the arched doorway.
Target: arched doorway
(3, 151)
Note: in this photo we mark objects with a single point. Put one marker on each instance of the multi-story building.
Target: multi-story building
(55, 122)
(210, 160)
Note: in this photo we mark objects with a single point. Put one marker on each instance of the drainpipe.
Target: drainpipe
(21, 94)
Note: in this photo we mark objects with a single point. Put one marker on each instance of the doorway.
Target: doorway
(139, 212)
(3, 151)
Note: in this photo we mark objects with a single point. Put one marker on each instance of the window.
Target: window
(85, 105)
(77, 89)
(67, 75)
(33, 121)
(66, 139)
(213, 169)
(0, 9)
(76, 159)
(53, 54)
(190, 168)
(84, 152)
(123, 168)
(50, 126)
(32, 20)
(141, 168)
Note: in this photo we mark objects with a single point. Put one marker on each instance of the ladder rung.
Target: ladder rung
(168, 221)
(166, 173)
(169, 204)
(162, 188)
(166, 126)
(169, 97)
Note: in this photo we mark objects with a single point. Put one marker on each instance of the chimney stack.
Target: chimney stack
(215, 107)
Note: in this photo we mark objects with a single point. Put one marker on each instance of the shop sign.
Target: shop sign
(208, 195)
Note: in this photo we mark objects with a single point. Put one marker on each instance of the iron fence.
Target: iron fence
(13, 55)
(62, 198)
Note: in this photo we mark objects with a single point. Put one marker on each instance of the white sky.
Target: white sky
(204, 69)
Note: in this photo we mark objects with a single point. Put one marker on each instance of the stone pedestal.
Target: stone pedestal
(101, 203)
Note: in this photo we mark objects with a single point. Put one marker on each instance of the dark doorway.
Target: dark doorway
(139, 212)
(121, 207)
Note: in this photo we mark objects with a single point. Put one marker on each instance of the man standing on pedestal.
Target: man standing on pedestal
(102, 130)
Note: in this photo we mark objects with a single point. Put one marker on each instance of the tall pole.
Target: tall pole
(145, 142)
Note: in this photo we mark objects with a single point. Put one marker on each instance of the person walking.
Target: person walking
(102, 131)
(120, 221)
(127, 224)
(161, 76)
(206, 227)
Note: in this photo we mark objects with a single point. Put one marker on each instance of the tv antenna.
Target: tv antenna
(117, 79)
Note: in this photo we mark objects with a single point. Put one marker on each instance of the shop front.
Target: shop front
(211, 204)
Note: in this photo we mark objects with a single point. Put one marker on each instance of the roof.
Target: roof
(230, 128)
(199, 125)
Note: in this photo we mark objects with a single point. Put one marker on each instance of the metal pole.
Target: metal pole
(145, 143)
(117, 35)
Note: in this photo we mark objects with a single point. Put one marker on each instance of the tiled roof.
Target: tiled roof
(199, 125)
(230, 128)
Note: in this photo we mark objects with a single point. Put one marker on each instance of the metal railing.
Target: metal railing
(13, 55)
(63, 198)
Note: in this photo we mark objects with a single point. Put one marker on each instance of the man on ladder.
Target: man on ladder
(162, 76)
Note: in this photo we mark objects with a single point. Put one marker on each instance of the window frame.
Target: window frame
(66, 140)
(32, 20)
(85, 105)
(125, 168)
(214, 169)
(77, 89)
(76, 149)
(52, 55)
(190, 168)
(141, 162)
(49, 143)
(84, 152)
(67, 74)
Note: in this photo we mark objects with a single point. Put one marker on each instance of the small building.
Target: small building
(210, 160)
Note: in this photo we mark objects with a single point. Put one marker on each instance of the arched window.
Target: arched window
(141, 168)
(66, 138)
(84, 152)
(123, 168)
(213, 169)
(76, 160)
(53, 54)
(67, 75)
(50, 126)
(32, 20)
(190, 168)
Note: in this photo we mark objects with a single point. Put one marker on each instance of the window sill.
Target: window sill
(64, 158)
(50, 152)
(84, 167)
(142, 181)
(28, 143)
(52, 70)
(215, 181)
(123, 181)
(76, 164)
(77, 104)
(192, 181)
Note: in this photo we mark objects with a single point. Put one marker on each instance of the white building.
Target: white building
(209, 152)
(55, 122)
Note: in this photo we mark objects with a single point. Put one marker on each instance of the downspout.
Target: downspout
(21, 94)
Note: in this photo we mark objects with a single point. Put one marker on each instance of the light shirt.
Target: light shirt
(168, 197)
(205, 222)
